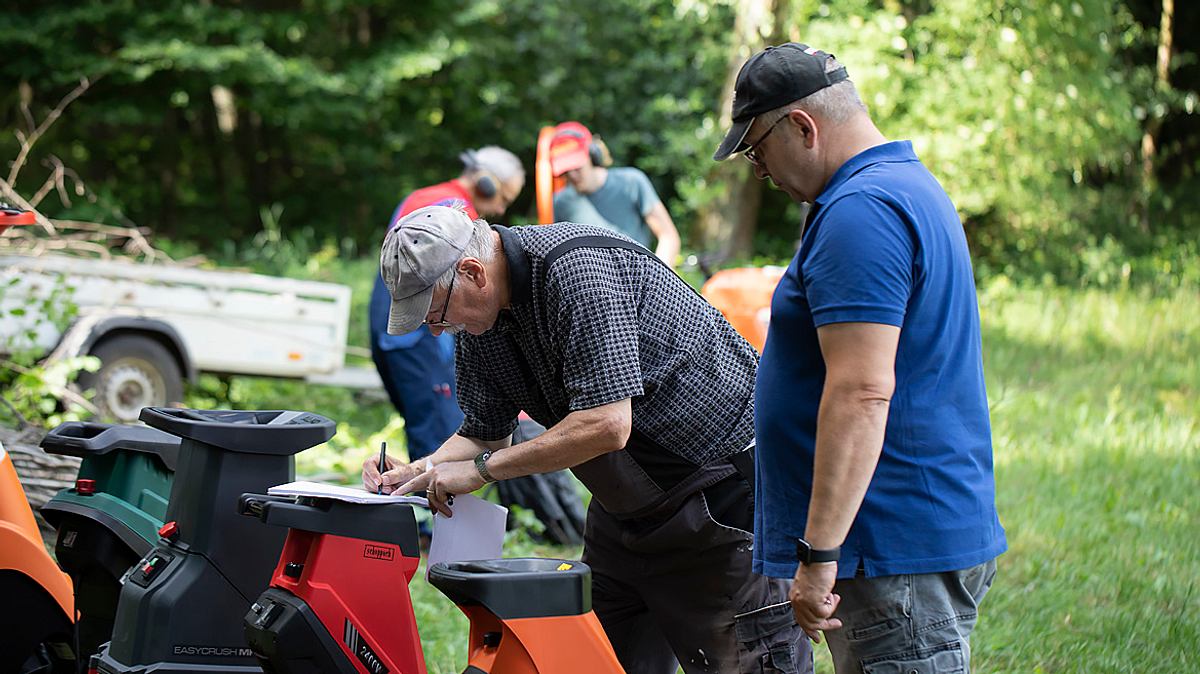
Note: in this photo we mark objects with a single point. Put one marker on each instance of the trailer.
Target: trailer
(153, 327)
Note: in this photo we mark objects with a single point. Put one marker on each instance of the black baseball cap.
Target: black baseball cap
(772, 78)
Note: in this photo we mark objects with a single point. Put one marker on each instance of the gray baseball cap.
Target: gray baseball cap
(418, 249)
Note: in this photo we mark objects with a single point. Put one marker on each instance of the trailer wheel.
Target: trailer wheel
(136, 371)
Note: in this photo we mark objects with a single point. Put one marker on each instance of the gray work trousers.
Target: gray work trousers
(680, 589)
(908, 624)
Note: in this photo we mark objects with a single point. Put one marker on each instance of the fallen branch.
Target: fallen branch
(88, 239)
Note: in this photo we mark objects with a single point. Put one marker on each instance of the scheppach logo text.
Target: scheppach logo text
(380, 552)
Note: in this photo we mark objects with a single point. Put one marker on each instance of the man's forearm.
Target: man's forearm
(850, 430)
(663, 228)
(461, 448)
(581, 436)
(668, 251)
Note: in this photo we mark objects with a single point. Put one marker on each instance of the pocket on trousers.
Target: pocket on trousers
(944, 659)
(781, 658)
(875, 630)
(767, 639)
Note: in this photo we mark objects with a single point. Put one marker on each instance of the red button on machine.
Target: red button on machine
(169, 530)
(85, 487)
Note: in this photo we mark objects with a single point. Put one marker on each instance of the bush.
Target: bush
(36, 391)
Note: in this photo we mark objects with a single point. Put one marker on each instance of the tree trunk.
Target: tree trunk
(727, 223)
(363, 33)
(1154, 122)
(168, 171)
(215, 146)
(247, 144)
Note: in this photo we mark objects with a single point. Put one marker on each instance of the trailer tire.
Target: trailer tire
(136, 371)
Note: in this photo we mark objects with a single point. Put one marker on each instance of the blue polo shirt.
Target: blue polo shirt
(884, 244)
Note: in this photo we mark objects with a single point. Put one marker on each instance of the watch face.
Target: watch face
(803, 550)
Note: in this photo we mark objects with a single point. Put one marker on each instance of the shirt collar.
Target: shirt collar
(520, 273)
(893, 152)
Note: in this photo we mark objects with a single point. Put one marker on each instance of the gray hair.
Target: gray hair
(836, 103)
(495, 160)
(481, 246)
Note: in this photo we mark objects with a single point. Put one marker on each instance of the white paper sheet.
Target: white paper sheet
(475, 532)
(350, 494)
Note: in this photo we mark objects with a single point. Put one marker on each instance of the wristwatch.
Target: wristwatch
(481, 465)
(809, 555)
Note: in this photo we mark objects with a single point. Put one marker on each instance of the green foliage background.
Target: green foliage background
(1030, 112)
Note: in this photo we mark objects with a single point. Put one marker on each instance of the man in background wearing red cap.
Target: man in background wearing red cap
(619, 198)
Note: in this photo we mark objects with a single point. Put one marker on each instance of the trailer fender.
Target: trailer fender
(87, 331)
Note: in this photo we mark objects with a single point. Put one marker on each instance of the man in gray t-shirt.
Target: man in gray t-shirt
(620, 199)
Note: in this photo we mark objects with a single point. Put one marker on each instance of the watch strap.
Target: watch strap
(481, 466)
(810, 555)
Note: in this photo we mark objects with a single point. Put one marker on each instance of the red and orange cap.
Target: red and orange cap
(569, 147)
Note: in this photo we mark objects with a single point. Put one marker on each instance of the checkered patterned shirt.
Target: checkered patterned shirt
(606, 324)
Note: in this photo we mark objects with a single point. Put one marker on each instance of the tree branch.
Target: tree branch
(28, 143)
(53, 181)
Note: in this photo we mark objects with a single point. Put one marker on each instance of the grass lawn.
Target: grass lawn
(1096, 424)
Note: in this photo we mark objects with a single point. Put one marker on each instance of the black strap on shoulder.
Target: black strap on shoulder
(593, 242)
(600, 241)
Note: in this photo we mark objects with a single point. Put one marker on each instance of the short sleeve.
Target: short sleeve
(860, 265)
(647, 197)
(487, 415)
(595, 328)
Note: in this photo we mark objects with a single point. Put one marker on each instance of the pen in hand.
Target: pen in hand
(382, 466)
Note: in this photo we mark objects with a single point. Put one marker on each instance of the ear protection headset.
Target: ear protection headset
(597, 149)
(487, 185)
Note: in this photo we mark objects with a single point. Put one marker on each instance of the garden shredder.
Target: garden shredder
(339, 600)
(180, 606)
(36, 627)
(111, 516)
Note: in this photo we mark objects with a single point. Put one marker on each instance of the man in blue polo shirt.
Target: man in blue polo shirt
(875, 490)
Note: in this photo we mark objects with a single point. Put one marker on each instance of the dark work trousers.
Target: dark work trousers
(679, 589)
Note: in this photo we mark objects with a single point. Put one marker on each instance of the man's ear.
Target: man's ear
(474, 270)
(805, 124)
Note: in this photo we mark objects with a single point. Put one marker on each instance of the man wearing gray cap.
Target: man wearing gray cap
(646, 390)
(417, 369)
(875, 487)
